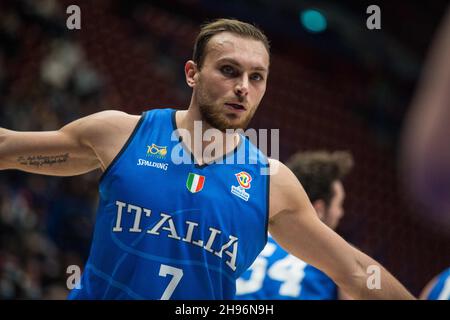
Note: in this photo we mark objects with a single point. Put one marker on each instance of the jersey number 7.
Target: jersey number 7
(177, 274)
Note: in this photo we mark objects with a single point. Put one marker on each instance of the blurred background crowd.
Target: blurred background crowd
(333, 85)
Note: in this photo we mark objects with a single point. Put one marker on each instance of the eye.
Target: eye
(256, 77)
(228, 70)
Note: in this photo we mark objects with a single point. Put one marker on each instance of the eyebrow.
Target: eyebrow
(235, 62)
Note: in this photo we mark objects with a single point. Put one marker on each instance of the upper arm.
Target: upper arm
(76, 148)
(294, 224)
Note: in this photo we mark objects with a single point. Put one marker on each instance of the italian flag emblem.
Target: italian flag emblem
(195, 182)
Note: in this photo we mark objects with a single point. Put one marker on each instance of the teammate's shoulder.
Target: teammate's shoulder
(425, 293)
(445, 273)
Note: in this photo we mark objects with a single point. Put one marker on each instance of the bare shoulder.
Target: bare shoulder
(278, 169)
(281, 177)
(115, 115)
(101, 124)
(286, 192)
(109, 118)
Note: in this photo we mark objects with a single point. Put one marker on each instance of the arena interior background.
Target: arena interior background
(344, 88)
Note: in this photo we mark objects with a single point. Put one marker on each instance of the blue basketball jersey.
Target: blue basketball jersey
(171, 230)
(278, 275)
(441, 289)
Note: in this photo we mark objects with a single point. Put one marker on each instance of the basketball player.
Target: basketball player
(276, 274)
(438, 288)
(169, 230)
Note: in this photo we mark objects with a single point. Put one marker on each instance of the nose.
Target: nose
(241, 88)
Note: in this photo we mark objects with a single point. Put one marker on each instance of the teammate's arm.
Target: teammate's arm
(79, 147)
(427, 289)
(295, 226)
(425, 147)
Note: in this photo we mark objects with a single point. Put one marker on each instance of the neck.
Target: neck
(204, 142)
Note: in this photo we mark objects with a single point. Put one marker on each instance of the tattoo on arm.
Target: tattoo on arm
(40, 161)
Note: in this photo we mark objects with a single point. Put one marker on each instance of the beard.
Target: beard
(217, 117)
(215, 114)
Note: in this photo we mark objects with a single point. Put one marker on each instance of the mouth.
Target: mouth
(235, 107)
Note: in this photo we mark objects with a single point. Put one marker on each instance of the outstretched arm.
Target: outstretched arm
(79, 147)
(295, 226)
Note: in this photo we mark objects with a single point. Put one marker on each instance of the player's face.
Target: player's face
(232, 80)
(335, 210)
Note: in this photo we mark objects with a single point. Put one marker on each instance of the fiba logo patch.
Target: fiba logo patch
(244, 180)
(159, 152)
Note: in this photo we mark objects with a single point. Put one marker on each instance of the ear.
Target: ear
(320, 207)
(190, 71)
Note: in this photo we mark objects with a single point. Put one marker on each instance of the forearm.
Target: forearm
(354, 272)
(49, 153)
(370, 280)
(294, 224)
